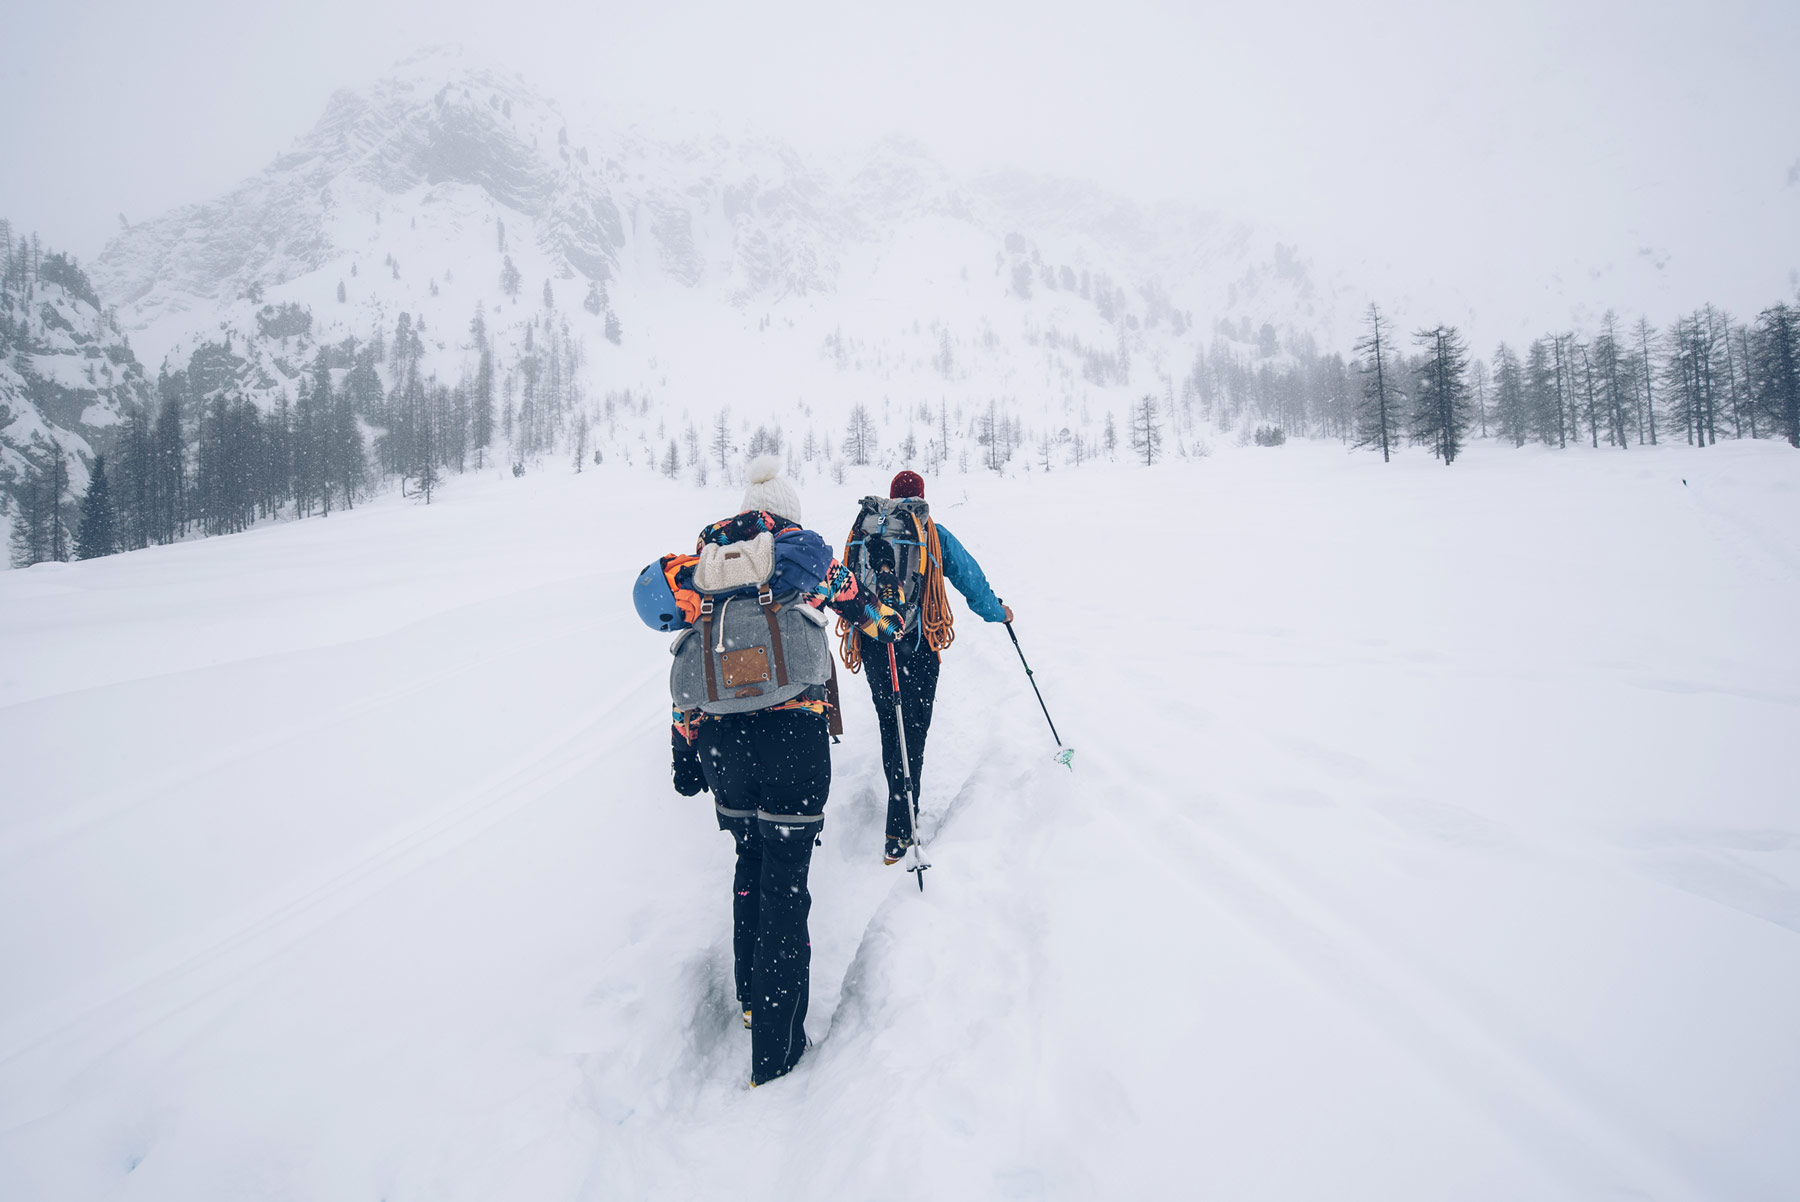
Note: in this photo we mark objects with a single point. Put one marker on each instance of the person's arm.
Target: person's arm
(840, 592)
(961, 570)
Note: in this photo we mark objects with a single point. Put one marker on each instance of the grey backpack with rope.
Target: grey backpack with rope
(886, 552)
(750, 649)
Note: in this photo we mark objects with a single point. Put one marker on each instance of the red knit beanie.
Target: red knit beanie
(906, 484)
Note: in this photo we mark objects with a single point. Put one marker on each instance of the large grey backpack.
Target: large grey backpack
(886, 552)
(749, 650)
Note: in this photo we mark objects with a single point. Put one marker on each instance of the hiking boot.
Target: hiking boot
(895, 850)
(887, 587)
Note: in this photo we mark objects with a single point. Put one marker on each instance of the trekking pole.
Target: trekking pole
(1063, 754)
(917, 850)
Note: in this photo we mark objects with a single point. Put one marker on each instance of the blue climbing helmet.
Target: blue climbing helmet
(655, 601)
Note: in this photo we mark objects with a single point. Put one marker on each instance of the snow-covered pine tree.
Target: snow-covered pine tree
(721, 438)
(1611, 380)
(1541, 400)
(1776, 356)
(859, 437)
(1146, 430)
(31, 541)
(1378, 417)
(1645, 334)
(96, 535)
(1511, 418)
(1440, 415)
(481, 398)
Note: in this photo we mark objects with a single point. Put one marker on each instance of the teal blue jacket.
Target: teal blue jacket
(961, 570)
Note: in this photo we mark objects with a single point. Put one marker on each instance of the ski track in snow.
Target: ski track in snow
(1356, 891)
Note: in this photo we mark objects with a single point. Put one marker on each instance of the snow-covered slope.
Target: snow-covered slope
(727, 262)
(1432, 835)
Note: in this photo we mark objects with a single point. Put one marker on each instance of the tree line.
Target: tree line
(1703, 377)
(212, 454)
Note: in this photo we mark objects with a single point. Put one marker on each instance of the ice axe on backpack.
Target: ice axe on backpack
(916, 852)
(1064, 755)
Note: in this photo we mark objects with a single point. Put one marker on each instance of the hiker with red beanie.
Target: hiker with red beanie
(906, 556)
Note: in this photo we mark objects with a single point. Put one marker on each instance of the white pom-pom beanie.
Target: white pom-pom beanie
(766, 489)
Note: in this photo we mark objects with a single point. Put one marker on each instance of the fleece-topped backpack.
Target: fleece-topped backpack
(749, 649)
(886, 552)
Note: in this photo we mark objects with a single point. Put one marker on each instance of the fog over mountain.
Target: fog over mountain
(417, 192)
(1511, 169)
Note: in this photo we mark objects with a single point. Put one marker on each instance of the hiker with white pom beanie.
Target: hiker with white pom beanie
(756, 739)
(765, 488)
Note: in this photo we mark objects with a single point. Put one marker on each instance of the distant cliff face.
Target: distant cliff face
(66, 368)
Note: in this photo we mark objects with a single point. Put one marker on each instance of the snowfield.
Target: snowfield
(1434, 834)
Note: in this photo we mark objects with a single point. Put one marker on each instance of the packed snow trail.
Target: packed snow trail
(1433, 835)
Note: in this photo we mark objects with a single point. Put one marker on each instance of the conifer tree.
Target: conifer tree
(169, 463)
(481, 402)
(1587, 383)
(1645, 333)
(132, 498)
(1777, 358)
(1441, 408)
(30, 541)
(95, 536)
(348, 457)
(1541, 398)
(721, 439)
(1146, 430)
(1612, 384)
(1512, 417)
(859, 438)
(1378, 417)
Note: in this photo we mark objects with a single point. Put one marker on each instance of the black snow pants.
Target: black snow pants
(918, 691)
(769, 774)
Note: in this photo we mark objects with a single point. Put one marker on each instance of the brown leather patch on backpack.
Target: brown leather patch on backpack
(745, 667)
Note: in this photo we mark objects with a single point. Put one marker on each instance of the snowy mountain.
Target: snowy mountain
(66, 367)
(734, 269)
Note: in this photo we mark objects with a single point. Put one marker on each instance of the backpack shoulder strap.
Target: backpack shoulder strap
(776, 652)
(706, 649)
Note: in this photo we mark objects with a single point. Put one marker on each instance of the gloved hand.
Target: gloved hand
(882, 623)
(689, 780)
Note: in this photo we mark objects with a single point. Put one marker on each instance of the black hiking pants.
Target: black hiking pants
(769, 774)
(918, 691)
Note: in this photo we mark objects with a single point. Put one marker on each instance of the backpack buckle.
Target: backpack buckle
(764, 595)
(706, 605)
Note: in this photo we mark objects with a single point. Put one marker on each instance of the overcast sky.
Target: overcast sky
(1409, 141)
